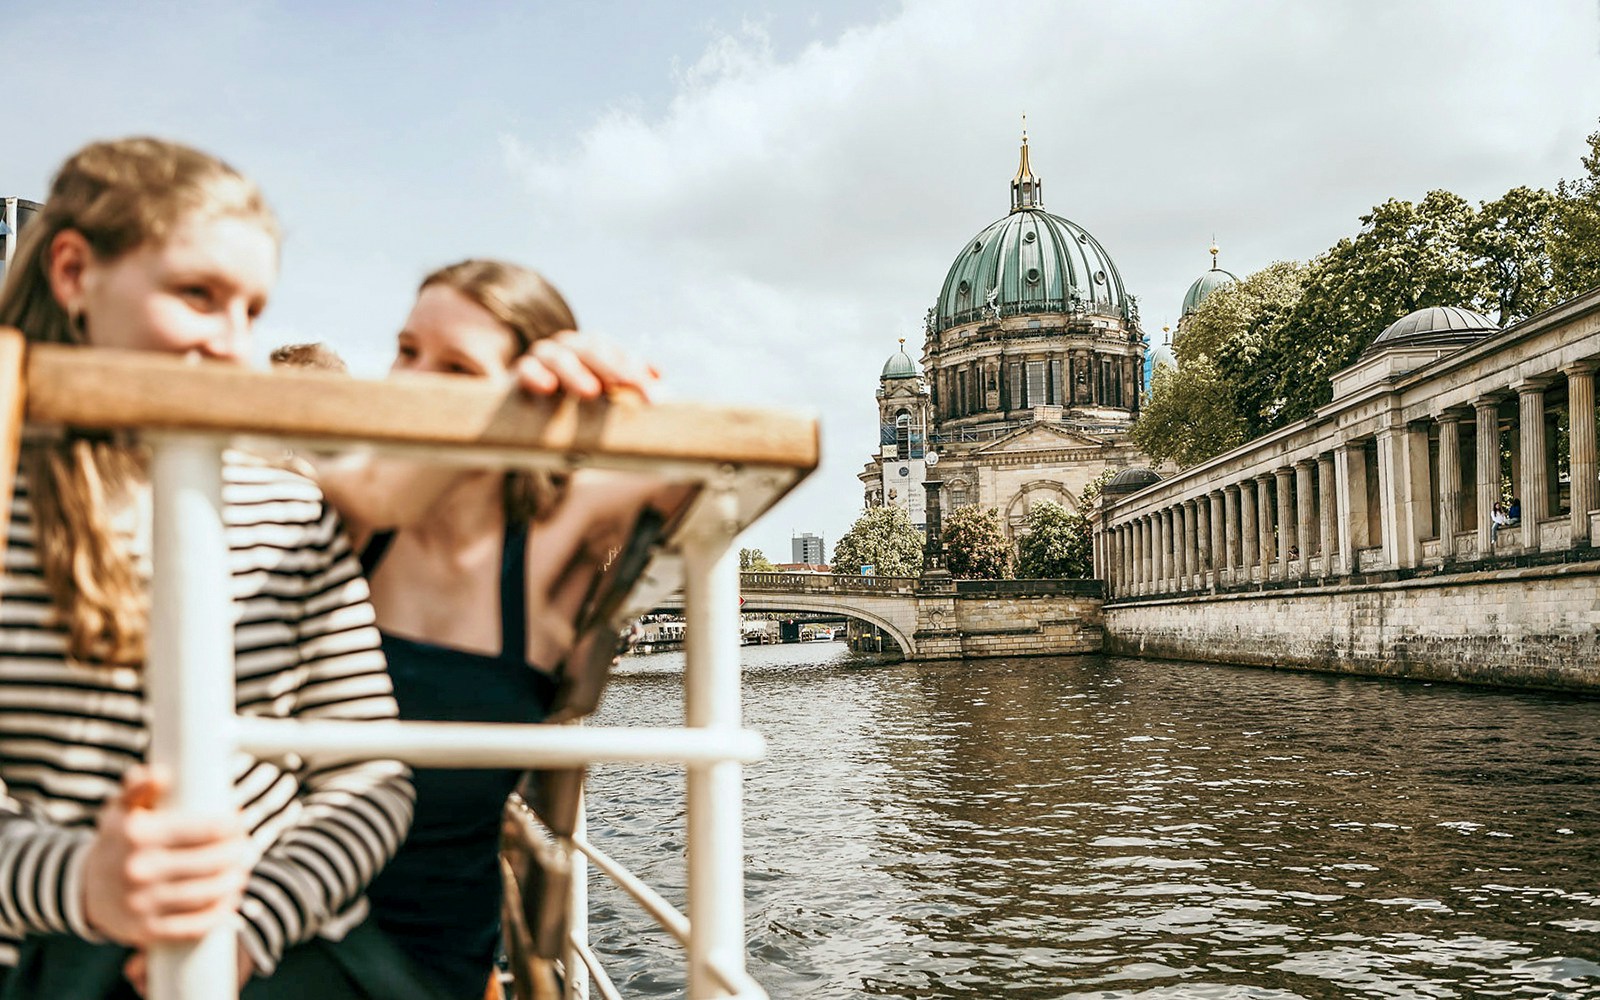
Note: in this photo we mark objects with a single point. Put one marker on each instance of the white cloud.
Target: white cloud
(771, 233)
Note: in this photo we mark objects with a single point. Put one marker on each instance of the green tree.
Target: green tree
(1511, 240)
(1189, 416)
(1057, 544)
(1575, 239)
(975, 544)
(883, 538)
(754, 561)
(1090, 497)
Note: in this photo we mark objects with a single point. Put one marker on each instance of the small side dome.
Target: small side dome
(1204, 285)
(1207, 283)
(1130, 481)
(1435, 325)
(899, 364)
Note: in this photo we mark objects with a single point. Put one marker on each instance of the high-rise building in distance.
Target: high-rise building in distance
(808, 549)
(16, 213)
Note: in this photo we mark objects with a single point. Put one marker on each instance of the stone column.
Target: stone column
(1267, 543)
(1580, 421)
(1488, 429)
(1533, 487)
(1351, 462)
(1163, 558)
(1391, 496)
(1305, 522)
(1449, 483)
(1328, 531)
(1218, 537)
(1249, 529)
(1127, 557)
(1147, 554)
(1286, 523)
(1191, 548)
(1230, 530)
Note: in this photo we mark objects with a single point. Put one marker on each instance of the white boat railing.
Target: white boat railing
(741, 461)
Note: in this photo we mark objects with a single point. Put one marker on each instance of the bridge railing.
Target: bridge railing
(738, 461)
(826, 583)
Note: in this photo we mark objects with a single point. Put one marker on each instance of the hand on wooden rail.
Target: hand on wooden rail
(154, 877)
(582, 365)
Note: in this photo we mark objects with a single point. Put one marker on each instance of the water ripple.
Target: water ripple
(1114, 828)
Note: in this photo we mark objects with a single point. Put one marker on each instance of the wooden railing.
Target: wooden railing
(738, 461)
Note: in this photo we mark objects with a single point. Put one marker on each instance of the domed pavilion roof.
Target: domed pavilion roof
(1030, 262)
(1206, 284)
(1128, 480)
(899, 364)
(1436, 325)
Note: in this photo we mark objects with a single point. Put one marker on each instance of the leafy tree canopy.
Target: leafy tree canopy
(883, 538)
(1057, 544)
(754, 561)
(975, 543)
(1258, 355)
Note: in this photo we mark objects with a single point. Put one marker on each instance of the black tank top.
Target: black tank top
(439, 898)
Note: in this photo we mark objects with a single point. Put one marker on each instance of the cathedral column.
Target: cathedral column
(1249, 531)
(1449, 482)
(1327, 482)
(1533, 485)
(1305, 513)
(1581, 435)
(1487, 412)
(1230, 530)
(1264, 524)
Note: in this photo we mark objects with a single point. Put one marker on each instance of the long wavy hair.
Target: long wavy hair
(531, 308)
(120, 196)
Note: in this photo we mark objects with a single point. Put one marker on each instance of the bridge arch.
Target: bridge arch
(816, 604)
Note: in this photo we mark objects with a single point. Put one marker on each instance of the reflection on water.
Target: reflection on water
(1107, 828)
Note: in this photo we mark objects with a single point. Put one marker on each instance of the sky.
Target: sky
(761, 198)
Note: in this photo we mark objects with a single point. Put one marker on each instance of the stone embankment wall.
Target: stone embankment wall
(1531, 626)
(1010, 618)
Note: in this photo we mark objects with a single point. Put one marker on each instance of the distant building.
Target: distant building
(16, 213)
(1031, 373)
(807, 549)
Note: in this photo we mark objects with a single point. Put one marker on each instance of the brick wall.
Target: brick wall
(1527, 627)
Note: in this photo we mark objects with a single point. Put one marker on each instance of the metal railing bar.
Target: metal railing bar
(591, 961)
(476, 744)
(668, 916)
(743, 985)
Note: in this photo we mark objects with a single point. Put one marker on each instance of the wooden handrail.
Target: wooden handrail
(107, 389)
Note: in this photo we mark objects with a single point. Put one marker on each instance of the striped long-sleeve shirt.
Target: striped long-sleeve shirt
(305, 647)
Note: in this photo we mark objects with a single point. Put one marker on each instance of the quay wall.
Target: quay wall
(988, 623)
(1530, 626)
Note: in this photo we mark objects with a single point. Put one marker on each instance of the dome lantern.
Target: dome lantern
(1027, 191)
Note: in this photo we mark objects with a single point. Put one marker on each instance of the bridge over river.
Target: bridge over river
(933, 619)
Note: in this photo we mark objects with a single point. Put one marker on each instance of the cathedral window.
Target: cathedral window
(1036, 384)
(902, 434)
(1018, 387)
(1055, 382)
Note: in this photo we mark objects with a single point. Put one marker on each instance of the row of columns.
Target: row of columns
(1313, 516)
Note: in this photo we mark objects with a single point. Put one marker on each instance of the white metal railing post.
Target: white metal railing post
(189, 679)
(715, 844)
(577, 972)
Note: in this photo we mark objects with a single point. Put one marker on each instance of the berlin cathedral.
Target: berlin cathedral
(1033, 367)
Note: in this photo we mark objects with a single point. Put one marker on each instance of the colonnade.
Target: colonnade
(1397, 494)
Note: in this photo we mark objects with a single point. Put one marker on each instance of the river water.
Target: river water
(1103, 828)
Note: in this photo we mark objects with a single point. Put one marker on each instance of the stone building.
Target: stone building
(1362, 538)
(1031, 374)
(15, 213)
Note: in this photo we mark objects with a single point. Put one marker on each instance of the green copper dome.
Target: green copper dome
(1030, 262)
(899, 365)
(1206, 284)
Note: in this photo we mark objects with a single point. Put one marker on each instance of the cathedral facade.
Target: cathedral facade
(1032, 370)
